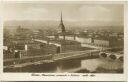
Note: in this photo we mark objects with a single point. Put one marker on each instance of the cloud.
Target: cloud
(101, 13)
(71, 12)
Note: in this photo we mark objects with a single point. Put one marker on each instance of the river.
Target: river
(97, 65)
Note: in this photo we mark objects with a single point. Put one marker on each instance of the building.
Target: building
(61, 29)
(60, 40)
(38, 34)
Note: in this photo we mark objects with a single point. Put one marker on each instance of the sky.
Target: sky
(71, 12)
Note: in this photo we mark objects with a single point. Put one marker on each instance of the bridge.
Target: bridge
(49, 58)
(76, 54)
(113, 56)
(34, 60)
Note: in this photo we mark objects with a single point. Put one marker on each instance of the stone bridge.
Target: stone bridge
(112, 56)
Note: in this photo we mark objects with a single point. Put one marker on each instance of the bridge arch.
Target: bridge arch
(113, 57)
(103, 54)
(121, 58)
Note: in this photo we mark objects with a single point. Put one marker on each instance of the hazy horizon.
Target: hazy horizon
(91, 14)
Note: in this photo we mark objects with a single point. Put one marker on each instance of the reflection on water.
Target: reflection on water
(98, 65)
(68, 66)
(93, 64)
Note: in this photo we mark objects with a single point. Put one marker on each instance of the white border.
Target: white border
(98, 77)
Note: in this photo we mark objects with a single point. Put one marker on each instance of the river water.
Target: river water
(97, 65)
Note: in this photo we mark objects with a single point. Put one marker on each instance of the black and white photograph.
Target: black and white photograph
(63, 38)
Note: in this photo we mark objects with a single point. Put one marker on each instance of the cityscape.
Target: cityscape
(32, 46)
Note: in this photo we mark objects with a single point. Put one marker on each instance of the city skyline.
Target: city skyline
(63, 38)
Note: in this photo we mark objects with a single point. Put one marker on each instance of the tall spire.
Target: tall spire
(61, 25)
(61, 17)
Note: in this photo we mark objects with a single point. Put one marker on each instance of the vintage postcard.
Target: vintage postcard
(77, 40)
